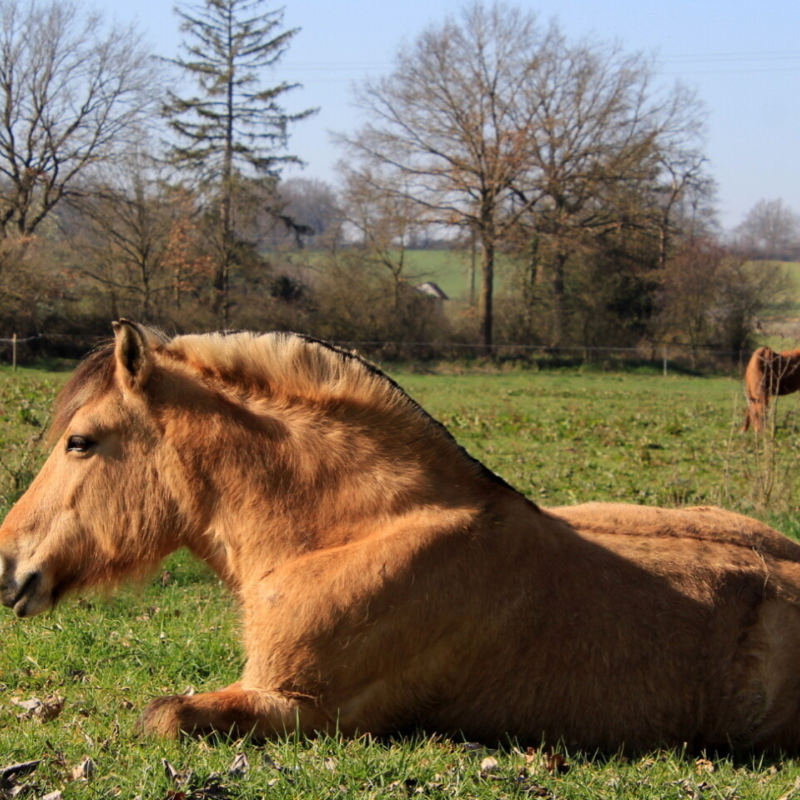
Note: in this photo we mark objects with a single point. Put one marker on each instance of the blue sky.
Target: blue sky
(742, 58)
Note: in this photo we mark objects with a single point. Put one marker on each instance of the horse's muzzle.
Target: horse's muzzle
(21, 595)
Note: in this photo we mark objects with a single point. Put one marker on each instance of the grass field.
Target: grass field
(560, 437)
(451, 270)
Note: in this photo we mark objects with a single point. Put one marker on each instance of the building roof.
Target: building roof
(431, 288)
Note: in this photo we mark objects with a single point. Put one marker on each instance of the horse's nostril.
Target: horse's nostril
(16, 595)
(30, 584)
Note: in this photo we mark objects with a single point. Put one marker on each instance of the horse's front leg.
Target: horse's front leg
(232, 710)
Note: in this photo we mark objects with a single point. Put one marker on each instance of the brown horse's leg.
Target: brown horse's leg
(231, 710)
(755, 415)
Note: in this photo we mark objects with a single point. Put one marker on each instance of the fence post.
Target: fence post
(14, 352)
(664, 357)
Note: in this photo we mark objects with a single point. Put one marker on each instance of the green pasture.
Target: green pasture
(792, 270)
(452, 270)
(559, 436)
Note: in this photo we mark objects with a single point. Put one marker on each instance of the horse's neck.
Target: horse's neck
(324, 485)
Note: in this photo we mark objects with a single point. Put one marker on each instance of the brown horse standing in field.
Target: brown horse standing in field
(389, 581)
(768, 374)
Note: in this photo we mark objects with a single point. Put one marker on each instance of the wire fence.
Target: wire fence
(664, 356)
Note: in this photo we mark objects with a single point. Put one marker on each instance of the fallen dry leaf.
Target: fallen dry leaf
(28, 705)
(532, 789)
(269, 762)
(693, 791)
(178, 778)
(555, 763)
(172, 773)
(9, 774)
(43, 710)
(239, 766)
(792, 792)
(187, 788)
(56, 795)
(703, 765)
(489, 765)
(473, 748)
(410, 786)
(83, 771)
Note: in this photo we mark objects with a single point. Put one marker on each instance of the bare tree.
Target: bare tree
(124, 235)
(449, 127)
(681, 200)
(711, 296)
(599, 140)
(492, 122)
(770, 230)
(73, 92)
(382, 222)
(309, 210)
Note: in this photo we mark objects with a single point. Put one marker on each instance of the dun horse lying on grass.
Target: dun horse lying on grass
(768, 374)
(387, 580)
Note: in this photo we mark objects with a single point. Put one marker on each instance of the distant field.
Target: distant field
(780, 325)
(793, 271)
(451, 269)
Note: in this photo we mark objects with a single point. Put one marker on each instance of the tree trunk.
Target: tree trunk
(559, 265)
(228, 235)
(486, 299)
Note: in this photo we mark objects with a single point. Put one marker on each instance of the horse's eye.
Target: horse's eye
(78, 444)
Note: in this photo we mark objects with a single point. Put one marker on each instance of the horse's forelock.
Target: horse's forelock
(94, 375)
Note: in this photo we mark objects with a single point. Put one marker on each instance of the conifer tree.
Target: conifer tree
(233, 131)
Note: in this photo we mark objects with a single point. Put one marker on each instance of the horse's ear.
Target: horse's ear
(133, 353)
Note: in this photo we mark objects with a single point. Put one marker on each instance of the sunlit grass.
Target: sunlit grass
(560, 437)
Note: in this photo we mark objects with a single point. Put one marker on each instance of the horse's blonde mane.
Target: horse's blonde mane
(285, 364)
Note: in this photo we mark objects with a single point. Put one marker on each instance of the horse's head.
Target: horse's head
(97, 509)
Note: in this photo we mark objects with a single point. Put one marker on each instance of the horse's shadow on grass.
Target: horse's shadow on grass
(556, 758)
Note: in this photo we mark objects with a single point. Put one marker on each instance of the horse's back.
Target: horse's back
(696, 524)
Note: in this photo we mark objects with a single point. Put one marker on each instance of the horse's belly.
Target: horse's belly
(582, 683)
